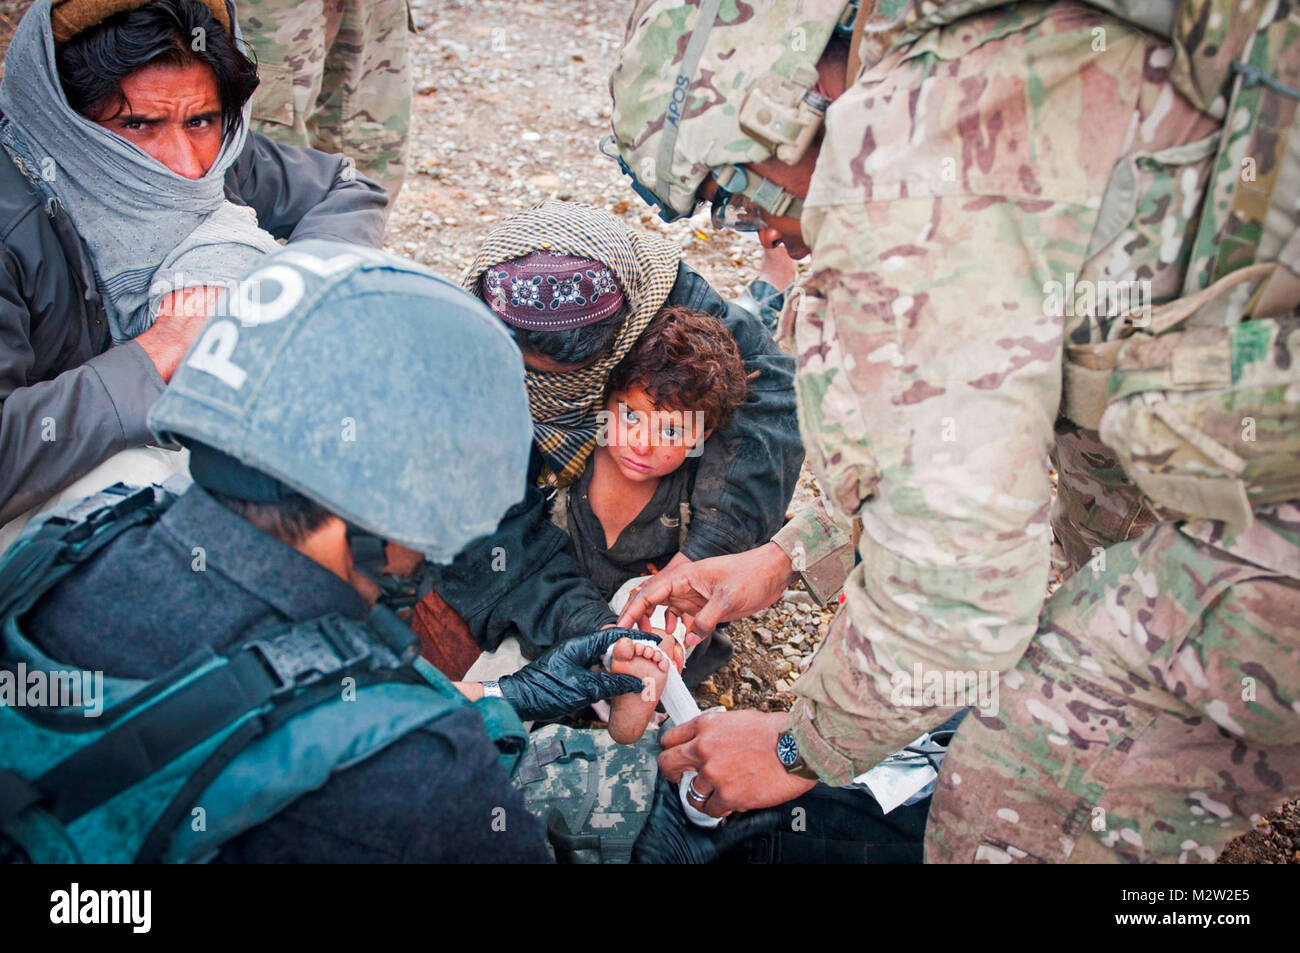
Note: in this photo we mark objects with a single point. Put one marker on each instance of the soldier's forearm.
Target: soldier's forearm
(820, 550)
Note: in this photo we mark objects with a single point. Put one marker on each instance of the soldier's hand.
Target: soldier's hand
(561, 681)
(734, 753)
(714, 590)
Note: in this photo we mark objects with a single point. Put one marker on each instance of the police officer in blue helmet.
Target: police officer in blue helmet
(246, 676)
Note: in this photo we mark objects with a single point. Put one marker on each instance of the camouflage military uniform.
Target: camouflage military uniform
(336, 76)
(1154, 705)
(593, 794)
(928, 388)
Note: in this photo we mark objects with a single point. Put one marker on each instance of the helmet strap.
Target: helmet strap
(764, 193)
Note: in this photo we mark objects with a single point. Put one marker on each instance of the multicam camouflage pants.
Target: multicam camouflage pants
(1153, 717)
(336, 76)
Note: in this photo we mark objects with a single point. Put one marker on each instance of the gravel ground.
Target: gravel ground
(510, 102)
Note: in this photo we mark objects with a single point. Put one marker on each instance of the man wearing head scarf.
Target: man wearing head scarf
(577, 286)
(132, 194)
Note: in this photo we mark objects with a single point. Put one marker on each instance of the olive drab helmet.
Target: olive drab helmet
(710, 85)
(366, 383)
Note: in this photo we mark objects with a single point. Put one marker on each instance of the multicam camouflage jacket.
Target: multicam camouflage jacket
(973, 223)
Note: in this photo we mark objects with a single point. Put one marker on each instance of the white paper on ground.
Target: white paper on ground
(898, 777)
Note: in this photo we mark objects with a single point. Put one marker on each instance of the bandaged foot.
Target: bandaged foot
(629, 714)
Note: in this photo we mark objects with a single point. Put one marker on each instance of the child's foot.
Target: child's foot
(629, 714)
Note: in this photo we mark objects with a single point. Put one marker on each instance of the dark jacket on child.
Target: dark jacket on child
(652, 538)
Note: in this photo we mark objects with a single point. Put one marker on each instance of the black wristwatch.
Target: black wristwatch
(787, 751)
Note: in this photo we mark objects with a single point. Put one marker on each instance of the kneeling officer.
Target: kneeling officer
(255, 708)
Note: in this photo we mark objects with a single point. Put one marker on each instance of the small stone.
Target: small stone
(726, 701)
(747, 674)
(530, 137)
(782, 685)
(796, 597)
(707, 686)
(797, 636)
(764, 635)
(547, 182)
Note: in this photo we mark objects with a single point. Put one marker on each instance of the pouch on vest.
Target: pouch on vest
(1201, 402)
(1204, 419)
(592, 794)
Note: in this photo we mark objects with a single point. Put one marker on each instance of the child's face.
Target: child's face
(646, 441)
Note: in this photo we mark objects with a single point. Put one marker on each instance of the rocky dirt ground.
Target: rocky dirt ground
(511, 99)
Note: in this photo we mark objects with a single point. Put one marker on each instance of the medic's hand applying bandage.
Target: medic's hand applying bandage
(729, 756)
(709, 591)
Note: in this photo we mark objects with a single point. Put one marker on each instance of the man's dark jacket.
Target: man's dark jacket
(521, 581)
(138, 608)
(68, 399)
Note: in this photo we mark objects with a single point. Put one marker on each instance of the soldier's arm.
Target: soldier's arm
(938, 379)
(301, 193)
(820, 550)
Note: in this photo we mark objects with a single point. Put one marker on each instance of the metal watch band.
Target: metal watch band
(492, 690)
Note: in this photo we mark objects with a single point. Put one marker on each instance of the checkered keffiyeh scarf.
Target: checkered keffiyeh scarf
(564, 405)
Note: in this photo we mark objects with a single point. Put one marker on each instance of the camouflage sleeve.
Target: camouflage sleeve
(930, 346)
(820, 550)
(928, 390)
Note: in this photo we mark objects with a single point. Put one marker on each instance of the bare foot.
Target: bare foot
(629, 714)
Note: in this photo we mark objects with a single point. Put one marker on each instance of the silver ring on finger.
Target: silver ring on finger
(695, 797)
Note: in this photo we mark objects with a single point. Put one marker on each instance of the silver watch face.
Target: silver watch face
(787, 749)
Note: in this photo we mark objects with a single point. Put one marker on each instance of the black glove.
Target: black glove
(561, 682)
(669, 837)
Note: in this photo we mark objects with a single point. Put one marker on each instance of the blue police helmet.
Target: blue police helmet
(389, 396)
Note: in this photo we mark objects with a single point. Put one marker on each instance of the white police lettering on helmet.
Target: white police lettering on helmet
(251, 305)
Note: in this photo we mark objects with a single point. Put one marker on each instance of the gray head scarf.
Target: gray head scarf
(140, 220)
